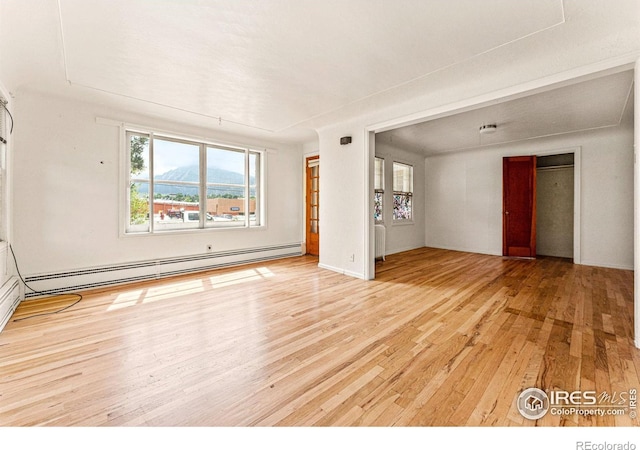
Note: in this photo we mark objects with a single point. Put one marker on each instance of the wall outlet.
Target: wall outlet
(209, 247)
(352, 257)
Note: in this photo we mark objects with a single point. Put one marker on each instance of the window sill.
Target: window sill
(133, 234)
(401, 223)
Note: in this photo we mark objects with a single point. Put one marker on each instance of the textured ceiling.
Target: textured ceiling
(274, 64)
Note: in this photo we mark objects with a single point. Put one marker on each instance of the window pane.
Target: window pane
(138, 207)
(377, 206)
(254, 189)
(402, 177)
(176, 162)
(402, 191)
(379, 189)
(402, 207)
(226, 192)
(176, 177)
(138, 183)
(379, 174)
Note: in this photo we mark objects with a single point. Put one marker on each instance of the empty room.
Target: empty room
(319, 214)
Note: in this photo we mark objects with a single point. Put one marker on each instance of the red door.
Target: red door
(519, 206)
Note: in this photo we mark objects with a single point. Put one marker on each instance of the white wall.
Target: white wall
(67, 191)
(342, 184)
(408, 235)
(310, 148)
(464, 196)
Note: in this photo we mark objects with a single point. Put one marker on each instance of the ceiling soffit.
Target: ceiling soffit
(596, 103)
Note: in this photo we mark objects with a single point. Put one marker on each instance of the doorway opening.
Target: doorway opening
(541, 199)
(555, 204)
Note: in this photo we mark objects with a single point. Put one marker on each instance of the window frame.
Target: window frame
(408, 194)
(259, 222)
(379, 191)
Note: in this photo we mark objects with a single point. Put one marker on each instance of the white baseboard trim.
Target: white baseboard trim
(393, 251)
(89, 278)
(606, 265)
(486, 252)
(341, 271)
(465, 250)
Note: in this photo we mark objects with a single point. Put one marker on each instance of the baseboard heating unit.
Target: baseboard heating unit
(83, 279)
(9, 300)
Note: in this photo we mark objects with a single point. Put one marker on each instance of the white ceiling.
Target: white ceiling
(601, 102)
(273, 68)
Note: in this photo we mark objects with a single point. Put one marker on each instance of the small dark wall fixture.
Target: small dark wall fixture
(345, 140)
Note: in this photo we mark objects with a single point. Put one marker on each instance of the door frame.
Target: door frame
(305, 227)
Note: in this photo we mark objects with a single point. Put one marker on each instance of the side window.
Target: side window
(402, 192)
(138, 186)
(378, 190)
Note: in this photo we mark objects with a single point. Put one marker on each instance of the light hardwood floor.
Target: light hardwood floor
(439, 338)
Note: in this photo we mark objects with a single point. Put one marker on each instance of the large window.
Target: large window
(178, 184)
(378, 190)
(402, 192)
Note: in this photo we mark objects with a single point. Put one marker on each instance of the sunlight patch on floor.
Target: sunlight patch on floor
(173, 290)
(242, 276)
(182, 288)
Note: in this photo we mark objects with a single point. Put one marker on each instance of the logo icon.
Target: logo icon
(533, 403)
